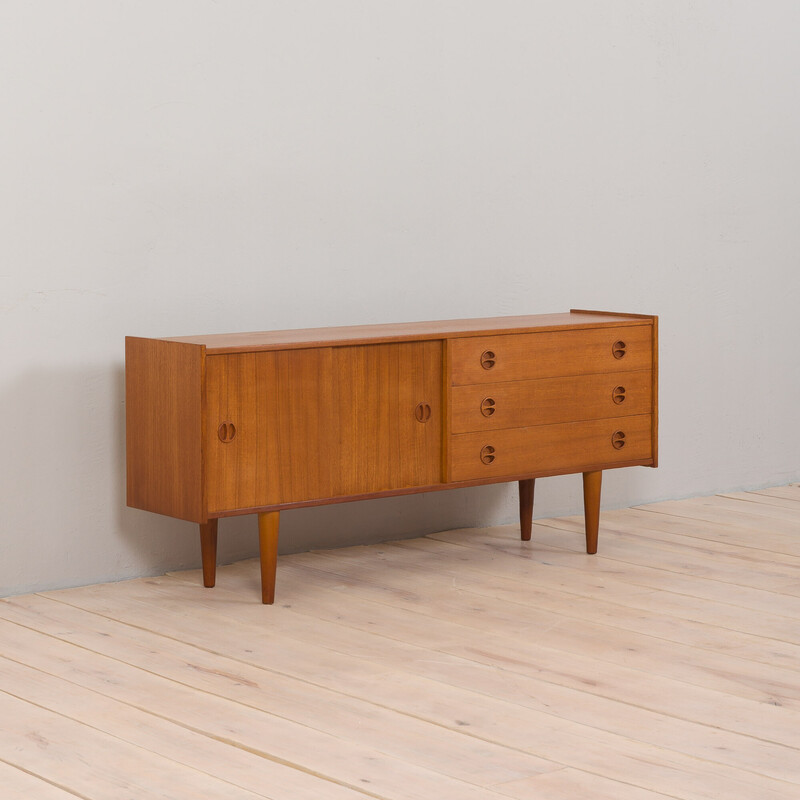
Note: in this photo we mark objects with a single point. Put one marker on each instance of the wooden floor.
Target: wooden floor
(462, 666)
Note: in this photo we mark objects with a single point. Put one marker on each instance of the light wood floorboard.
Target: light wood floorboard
(466, 665)
(19, 785)
(789, 492)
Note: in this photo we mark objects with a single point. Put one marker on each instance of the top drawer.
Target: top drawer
(553, 354)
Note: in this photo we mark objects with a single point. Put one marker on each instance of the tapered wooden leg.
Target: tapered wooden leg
(526, 508)
(591, 507)
(268, 541)
(208, 551)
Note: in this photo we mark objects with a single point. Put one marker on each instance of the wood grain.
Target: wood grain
(94, 765)
(268, 524)
(348, 642)
(623, 314)
(570, 784)
(520, 404)
(164, 389)
(282, 405)
(53, 674)
(321, 423)
(317, 733)
(766, 499)
(529, 356)
(559, 580)
(435, 487)
(19, 785)
(655, 392)
(789, 492)
(592, 482)
(734, 513)
(381, 445)
(459, 666)
(208, 551)
(526, 508)
(398, 332)
(572, 446)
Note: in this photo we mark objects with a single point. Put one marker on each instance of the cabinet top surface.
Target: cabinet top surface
(405, 331)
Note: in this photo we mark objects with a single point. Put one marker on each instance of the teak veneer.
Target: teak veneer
(246, 423)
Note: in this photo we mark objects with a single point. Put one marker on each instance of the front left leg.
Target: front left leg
(268, 543)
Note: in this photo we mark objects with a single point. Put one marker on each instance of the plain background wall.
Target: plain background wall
(182, 167)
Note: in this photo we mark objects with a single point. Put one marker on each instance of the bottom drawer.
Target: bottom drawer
(571, 445)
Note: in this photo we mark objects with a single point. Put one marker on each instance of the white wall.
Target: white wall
(180, 167)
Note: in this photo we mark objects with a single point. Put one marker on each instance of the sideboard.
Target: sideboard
(244, 423)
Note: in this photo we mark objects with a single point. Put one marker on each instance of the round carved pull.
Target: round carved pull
(226, 432)
(618, 349)
(487, 359)
(487, 454)
(618, 440)
(618, 394)
(487, 407)
(422, 412)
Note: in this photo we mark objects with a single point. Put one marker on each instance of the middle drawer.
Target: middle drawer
(521, 404)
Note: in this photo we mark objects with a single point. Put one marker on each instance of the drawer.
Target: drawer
(570, 446)
(552, 354)
(521, 404)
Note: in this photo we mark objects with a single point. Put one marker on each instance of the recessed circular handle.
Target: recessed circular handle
(487, 454)
(618, 394)
(618, 440)
(618, 349)
(487, 359)
(226, 432)
(488, 406)
(422, 412)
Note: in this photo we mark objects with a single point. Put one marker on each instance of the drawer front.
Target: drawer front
(528, 356)
(567, 446)
(521, 404)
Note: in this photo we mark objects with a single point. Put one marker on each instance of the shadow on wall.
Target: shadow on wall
(63, 519)
(162, 543)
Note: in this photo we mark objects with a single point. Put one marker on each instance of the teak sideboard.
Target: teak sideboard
(246, 423)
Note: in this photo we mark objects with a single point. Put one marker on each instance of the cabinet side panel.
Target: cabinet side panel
(164, 427)
(447, 409)
(655, 391)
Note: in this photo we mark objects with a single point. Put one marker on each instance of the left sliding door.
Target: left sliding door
(269, 435)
